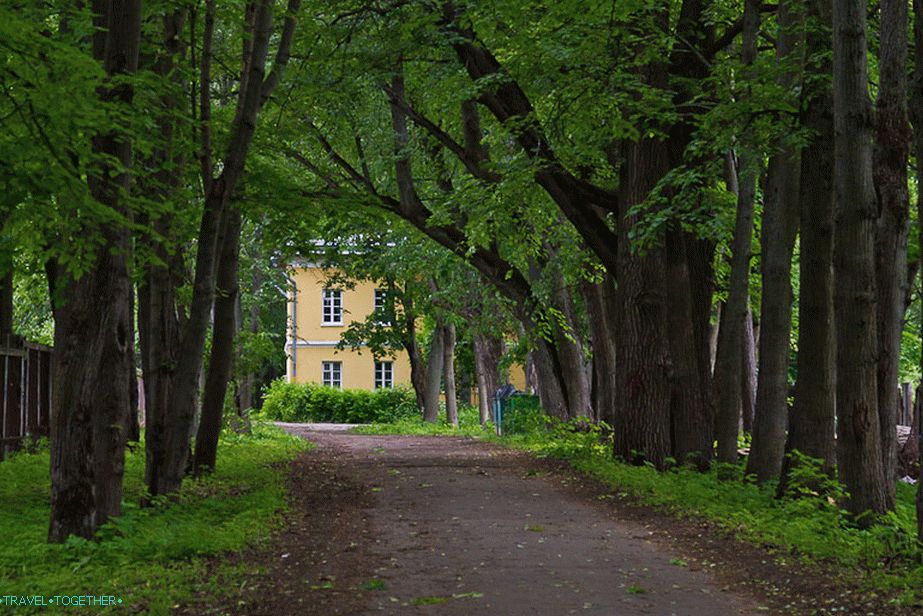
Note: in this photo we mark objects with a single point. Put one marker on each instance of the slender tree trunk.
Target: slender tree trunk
(858, 428)
(571, 353)
(811, 429)
(890, 172)
(6, 290)
(451, 402)
(729, 370)
(780, 224)
(749, 378)
(222, 350)
(434, 376)
(91, 362)
(412, 347)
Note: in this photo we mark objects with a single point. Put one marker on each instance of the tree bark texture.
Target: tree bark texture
(858, 429)
(811, 428)
(892, 149)
(916, 116)
(91, 363)
(641, 421)
(487, 353)
(777, 240)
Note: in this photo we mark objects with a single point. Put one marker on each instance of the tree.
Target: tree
(858, 429)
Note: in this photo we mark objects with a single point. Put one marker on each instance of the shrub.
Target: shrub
(309, 402)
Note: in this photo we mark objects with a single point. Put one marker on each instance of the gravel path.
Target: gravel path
(460, 527)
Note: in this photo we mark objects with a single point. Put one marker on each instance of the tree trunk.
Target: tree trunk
(916, 115)
(92, 366)
(729, 363)
(222, 350)
(858, 428)
(811, 429)
(890, 173)
(690, 418)
(600, 304)
(434, 376)
(487, 352)
(748, 379)
(412, 347)
(451, 403)
(641, 421)
(570, 353)
(6, 292)
(780, 224)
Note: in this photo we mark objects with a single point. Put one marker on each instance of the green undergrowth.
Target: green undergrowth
(812, 528)
(151, 558)
(469, 424)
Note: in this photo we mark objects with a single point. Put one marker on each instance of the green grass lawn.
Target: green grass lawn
(884, 559)
(150, 558)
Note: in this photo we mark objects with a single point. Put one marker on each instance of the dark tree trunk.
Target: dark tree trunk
(858, 429)
(133, 421)
(434, 376)
(222, 350)
(916, 115)
(811, 429)
(91, 361)
(412, 347)
(641, 420)
(690, 416)
(890, 172)
(451, 402)
(6, 294)
(780, 224)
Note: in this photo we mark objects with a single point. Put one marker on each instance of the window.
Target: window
(384, 374)
(333, 374)
(381, 307)
(333, 307)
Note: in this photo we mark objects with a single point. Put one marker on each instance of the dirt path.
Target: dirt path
(459, 526)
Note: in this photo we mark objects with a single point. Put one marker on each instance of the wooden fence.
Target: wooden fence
(25, 401)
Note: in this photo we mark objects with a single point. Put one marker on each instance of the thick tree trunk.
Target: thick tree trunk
(92, 362)
(552, 390)
(858, 428)
(916, 115)
(811, 429)
(780, 224)
(222, 349)
(890, 172)
(641, 421)
(451, 402)
(434, 376)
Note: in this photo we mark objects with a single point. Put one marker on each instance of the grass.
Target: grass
(151, 558)
(885, 559)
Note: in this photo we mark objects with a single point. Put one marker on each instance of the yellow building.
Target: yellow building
(317, 315)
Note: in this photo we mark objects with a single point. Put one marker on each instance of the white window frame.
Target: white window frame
(332, 307)
(380, 305)
(332, 374)
(384, 375)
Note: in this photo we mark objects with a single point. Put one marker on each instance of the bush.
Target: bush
(309, 402)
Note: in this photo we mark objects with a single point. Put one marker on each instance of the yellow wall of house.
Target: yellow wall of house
(314, 341)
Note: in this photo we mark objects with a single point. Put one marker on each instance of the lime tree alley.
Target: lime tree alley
(695, 214)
